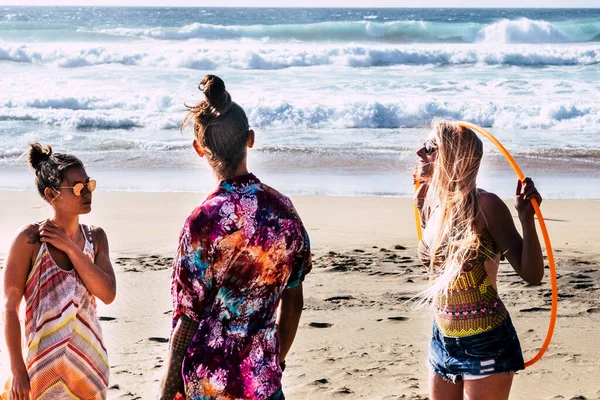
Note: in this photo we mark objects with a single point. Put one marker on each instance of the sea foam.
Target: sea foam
(257, 57)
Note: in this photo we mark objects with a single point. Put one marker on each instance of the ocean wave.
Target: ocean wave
(522, 30)
(395, 31)
(281, 57)
(162, 113)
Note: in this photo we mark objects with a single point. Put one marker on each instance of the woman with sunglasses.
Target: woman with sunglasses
(474, 351)
(243, 253)
(59, 267)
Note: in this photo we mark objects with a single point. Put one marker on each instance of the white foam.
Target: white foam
(162, 112)
(522, 30)
(260, 57)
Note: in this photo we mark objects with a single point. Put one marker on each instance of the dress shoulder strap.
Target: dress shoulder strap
(89, 239)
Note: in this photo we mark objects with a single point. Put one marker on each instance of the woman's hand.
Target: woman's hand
(54, 235)
(526, 191)
(19, 387)
(423, 172)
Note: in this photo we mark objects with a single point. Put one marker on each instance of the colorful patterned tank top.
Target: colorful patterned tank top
(66, 358)
(472, 305)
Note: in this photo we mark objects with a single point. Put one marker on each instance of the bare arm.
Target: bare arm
(98, 276)
(180, 341)
(422, 177)
(18, 264)
(420, 196)
(523, 253)
(292, 301)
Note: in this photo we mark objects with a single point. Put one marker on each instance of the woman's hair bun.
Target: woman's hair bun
(217, 97)
(38, 155)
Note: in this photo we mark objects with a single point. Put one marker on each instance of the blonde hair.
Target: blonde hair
(220, 126)
(453, 195)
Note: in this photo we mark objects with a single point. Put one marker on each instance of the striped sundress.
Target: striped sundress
(66, 358)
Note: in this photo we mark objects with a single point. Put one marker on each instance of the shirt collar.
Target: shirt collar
(238, 182)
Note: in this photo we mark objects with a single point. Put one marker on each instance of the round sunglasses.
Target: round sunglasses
(78, 188)
(430, 147)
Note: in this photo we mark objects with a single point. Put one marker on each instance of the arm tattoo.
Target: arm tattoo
(180, 341)
(184, 333)
(33, 234)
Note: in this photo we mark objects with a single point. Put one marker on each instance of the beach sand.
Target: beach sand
(360, 335)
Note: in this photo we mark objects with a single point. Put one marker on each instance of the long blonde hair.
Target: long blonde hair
(452, 194)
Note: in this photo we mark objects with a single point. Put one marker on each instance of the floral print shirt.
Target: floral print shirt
(238, 251)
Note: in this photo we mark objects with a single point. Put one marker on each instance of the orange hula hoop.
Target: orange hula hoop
(542, 224)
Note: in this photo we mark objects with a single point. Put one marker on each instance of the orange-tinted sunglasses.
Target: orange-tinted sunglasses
(78, 188)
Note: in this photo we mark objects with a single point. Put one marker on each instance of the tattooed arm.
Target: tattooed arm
(180, 340)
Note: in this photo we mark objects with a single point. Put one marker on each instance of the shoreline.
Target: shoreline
(333, 222)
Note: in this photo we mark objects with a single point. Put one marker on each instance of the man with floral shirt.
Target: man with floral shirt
(242, 253)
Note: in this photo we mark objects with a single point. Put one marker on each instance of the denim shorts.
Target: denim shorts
(492, 352)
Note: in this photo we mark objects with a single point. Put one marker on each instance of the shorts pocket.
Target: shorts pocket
(486, 349)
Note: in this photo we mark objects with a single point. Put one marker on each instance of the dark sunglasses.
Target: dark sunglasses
(430, 147)
(78, 188)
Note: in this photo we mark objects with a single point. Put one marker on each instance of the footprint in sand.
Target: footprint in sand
(337, 299)
(398, 318)
(158, 339)
(107, 318)
(534, 309)
(320, 325)
(583, 286)
(344, 390)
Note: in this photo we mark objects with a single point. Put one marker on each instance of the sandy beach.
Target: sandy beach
(360, 335)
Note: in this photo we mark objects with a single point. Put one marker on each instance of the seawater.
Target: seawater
(339, 98)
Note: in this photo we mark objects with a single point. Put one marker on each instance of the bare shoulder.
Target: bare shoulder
(98, 234)
(490, 202)
(26, 241)
(495, 211)
(28, 235)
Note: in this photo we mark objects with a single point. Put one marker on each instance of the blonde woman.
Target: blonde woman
(474, 351)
